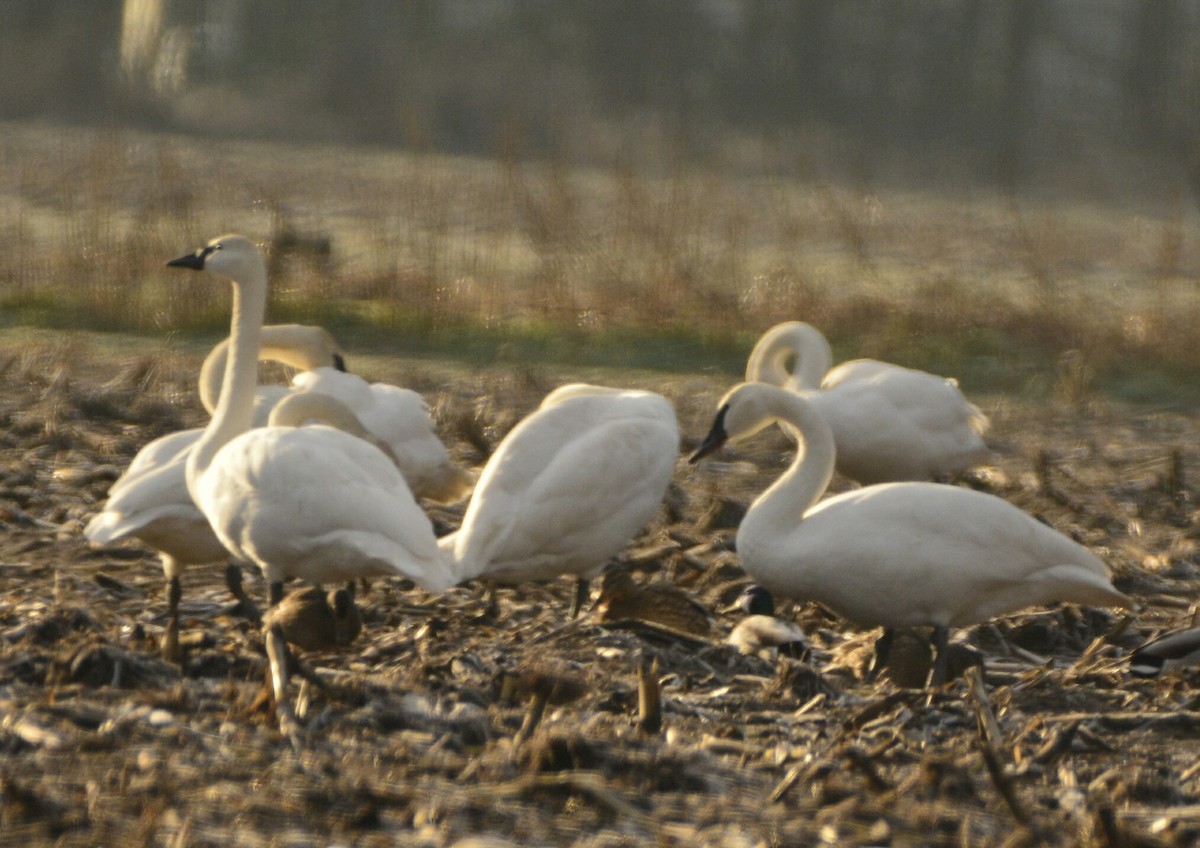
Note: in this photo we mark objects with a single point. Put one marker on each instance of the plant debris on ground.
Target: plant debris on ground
(420, 733)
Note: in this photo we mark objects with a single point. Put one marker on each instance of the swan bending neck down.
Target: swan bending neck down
(889, 422)
(897, 554)
(306, 347)
(314, 503)
(568, 487)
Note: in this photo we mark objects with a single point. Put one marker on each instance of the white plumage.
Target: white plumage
(400, 419)
(897, 554)
(150, 501)
(314, 503)
(889, 423)
(568, 487)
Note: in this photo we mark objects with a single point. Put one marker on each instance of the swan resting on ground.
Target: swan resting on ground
(314, 502)
(896, 554)
(568, 487)
(889, 423)
(150, 501)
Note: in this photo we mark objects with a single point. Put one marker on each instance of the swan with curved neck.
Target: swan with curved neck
(314, 503)
(889, 422)
(898, 554)
(395, 417)
(150, 501)
(306, 347)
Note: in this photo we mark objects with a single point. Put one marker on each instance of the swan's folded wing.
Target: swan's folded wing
(570, 508)
(328, 504)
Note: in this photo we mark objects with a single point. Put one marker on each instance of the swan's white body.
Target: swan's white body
(314, 503)
(568, 487)
(150, 500)
(889, 423)
(897, 554)
(400, 419)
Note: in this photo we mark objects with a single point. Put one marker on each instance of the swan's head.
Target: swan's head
(741, 413)
(232, 256)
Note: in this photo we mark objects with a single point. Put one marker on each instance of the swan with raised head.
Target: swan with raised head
(908, 554)
(568, 487)
(889, 423)
(315, 502)
(150, 501)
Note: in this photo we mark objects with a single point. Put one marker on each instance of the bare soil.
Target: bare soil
(409, 741)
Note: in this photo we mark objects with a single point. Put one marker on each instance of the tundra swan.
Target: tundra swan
(889, 422)
(400, 419)
(568, 487)
(394, 416)
(898, 554)
(314, 503)
(306, 347)
(150, 501)
(761, 633)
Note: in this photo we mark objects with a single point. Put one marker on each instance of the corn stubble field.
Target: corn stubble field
(411, 739)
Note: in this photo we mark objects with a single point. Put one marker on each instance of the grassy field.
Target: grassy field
(510, 262)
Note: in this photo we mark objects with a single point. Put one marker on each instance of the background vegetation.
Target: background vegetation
(998, 190)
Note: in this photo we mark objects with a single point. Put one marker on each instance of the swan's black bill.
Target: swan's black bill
(194, 260)
(339, 362)
(715, 440)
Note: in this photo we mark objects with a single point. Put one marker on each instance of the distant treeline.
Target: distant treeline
(996, 79)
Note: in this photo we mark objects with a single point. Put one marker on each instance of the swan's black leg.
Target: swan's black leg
(941, 645)
(274, 593)
(244, 606)
(170, 640)
(883, 650)
(581, 595)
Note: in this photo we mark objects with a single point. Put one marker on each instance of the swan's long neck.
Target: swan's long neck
(291, 344)
(768, 360)
(234, 413)
(778, 510)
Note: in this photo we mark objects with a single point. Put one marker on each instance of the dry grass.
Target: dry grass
(486, 260)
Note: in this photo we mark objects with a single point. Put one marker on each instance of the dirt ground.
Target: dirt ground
(409, 742)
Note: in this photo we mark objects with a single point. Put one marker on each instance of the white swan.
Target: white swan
(897, 554)
(400, 419)
(306, 347)
(889, 422)
(396, 417)
(568, 487)
(150, 501)
(314, 503)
